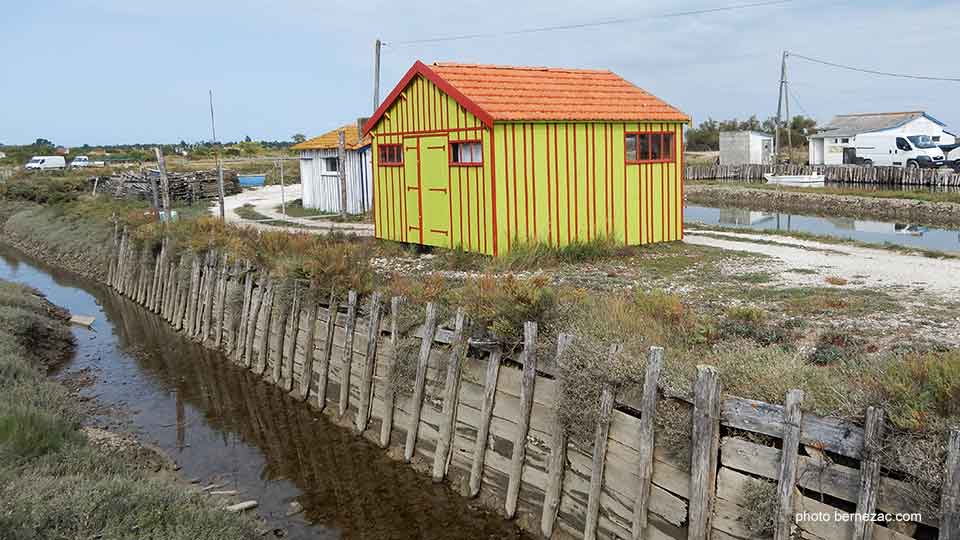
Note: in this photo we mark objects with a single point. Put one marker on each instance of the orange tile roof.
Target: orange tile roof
(540, 93)
(330, 140)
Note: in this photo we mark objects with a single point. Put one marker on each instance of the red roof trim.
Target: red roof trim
(419, 68)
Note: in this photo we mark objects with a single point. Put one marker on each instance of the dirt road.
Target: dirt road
(805, 262)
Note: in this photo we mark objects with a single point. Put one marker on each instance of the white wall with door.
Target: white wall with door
(320, 178)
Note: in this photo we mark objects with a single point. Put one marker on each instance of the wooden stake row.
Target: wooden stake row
(253, 323)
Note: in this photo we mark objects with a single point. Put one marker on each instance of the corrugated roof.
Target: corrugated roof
(849, 125)
(330, 140)
(542, 93)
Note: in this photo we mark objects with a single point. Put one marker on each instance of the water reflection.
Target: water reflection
(220, 422)
(878, 232)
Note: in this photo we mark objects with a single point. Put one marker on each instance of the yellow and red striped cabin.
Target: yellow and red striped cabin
(484, 158)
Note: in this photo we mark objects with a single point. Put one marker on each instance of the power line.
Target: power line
(574, 26)
(873, 71)
(797, 101)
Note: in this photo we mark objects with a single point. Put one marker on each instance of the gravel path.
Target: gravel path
(795, 260)
(265, 201)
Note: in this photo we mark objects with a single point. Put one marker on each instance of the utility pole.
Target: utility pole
(342, 170)
(376, 74)
(283, 195)
(213, 126)
(783, 101)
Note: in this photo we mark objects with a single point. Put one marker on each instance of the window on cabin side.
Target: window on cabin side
(648, 147)
(331, 165)
(466, 153)
(391, 154)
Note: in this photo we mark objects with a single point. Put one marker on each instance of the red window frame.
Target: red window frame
(667, 149)
(452, 152)
(384, 161)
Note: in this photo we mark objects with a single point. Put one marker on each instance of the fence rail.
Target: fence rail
(833, 173)
(472, 411)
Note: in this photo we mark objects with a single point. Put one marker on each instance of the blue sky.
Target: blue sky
(111, 71)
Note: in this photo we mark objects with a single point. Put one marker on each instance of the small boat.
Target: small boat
(795, 179)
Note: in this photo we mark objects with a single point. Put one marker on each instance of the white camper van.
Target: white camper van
(911, 151)
(46, 162)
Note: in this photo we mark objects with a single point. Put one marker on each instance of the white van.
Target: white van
(46, 162)
(911, 151)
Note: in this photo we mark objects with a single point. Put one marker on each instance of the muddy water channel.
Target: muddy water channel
(912, 235)
(222, 425)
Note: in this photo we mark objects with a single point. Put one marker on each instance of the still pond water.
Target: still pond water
(913, 235)
(222, 424)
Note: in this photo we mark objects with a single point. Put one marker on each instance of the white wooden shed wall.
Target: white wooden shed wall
(321, 187)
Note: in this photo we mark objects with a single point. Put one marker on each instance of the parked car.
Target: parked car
(84, 161)
(46, 162)
(910, 151)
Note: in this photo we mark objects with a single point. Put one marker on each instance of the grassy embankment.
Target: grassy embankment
(715, 319)
(54, 482)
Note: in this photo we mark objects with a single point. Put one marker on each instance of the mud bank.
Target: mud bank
(825, 205)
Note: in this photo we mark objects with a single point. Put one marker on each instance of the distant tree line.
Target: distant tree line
(20, 154)
(706, 136)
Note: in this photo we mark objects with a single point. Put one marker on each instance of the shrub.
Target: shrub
(835, 346)
(501, 306)
(920, 387)
(760, 502)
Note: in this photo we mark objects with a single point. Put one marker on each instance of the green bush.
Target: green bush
(921, 387)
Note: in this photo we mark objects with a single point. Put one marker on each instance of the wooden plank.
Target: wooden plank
(370, 365)
(309, 351)
(646, 441)
(347, 357)
(451, 391)
(558, 457)
(252, 317)
(290, 345)
(324, 367)
(599, 457)
(390, 397)
(786, 483)
(416, 401)
(950, 498)
(486, 414)
(266, 317)
(704, 445)
(869, 473)
(842, 437)
(523, 421)
(818, 476)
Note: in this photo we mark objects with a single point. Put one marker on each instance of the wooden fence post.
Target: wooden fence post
(646, 441)
(558, 455)
(306, 379)
(390, 399)
(266, 312)
(289, 355)
(527, 383)
(327, 352)
(950, 499)
(370, 366)
(486, 414)
(869, 473)
(416, 401)
(347, 357)
(786, 483)
(599, 457)
(704, 445)
(451, 395)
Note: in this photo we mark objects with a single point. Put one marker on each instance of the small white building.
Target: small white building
(745, 148)
(320, 171)
(827, 145)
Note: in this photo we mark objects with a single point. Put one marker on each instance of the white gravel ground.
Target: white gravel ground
(863, 267)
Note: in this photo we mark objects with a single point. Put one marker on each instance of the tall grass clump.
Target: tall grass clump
(537, 255)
